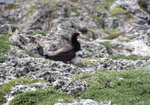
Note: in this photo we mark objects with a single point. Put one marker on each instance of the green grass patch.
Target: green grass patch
(124, 40)
(28, 52)
(41, 97)
(108, 46)
(4, 44)
(101, 21)
(30, 10)
(116, 11)
(14, 28)
(51, 1)
(4, 58)
(39, 32)
(133, 89)
(72, 9)
(66, 37)
(110, 32)
(6, 87)
(133, 58)
(108, 3)
(113, 36)
(90, 50)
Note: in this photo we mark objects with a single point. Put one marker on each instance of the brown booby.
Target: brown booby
(67, 53)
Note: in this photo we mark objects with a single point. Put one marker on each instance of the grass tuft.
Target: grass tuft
(66, 37)
(108, 3)
(100, 20)
(4, 44)
(30, 10)
(108, 46)
(118, 10)
(40, 32)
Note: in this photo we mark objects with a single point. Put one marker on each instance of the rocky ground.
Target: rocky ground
(35, 27)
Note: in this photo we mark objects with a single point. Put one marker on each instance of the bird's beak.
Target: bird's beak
(82, 36)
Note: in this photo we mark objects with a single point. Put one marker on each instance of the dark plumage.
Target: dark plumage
(67, 53)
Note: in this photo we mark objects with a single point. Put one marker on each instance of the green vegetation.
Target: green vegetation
(51, 1)
(108, 3)
(108, 46)
(133, 58)
(10, 7)
(118, 10)
(5, 89)
(39, 32)
(41, 97)
(4, 44)
(66, 37)
(72, 9)
(124, 40)
(132, 89)
(4, 58)
(30, 10)
(90, 50)
(28, 52)
(113, 36)
(101, 21)
(14, 28)
(110, 32)
(143, 5)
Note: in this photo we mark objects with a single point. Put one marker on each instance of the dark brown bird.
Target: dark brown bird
(67, 53)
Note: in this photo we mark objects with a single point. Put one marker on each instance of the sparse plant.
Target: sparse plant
(118, 10)
(108, 46)
(72, 9)
(90, 50)
(39, 32)
(66, 37)
(108, 3)
(101, 21)
(14, 28)
(4, 44)
(113, 36)
(31, 9)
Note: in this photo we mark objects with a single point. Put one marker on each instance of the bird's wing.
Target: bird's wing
(64, 54)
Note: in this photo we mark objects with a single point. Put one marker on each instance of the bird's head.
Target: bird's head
(78, 35)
